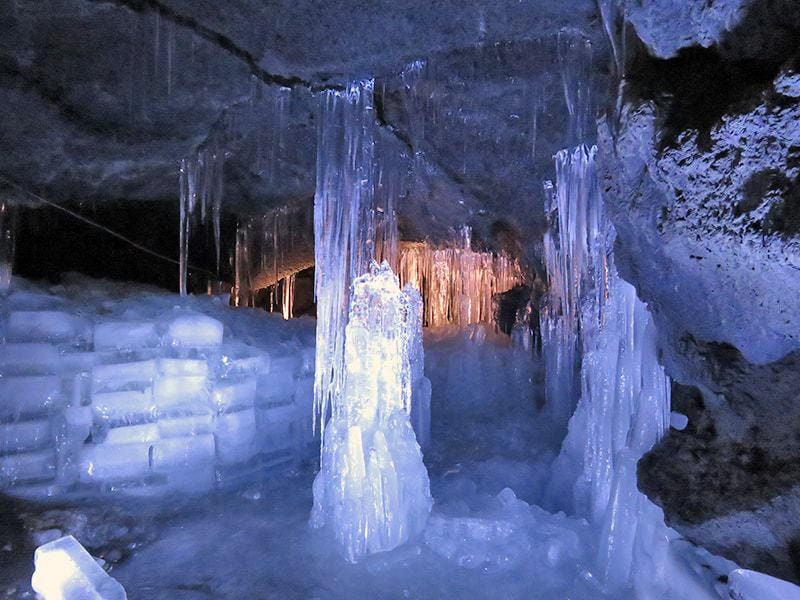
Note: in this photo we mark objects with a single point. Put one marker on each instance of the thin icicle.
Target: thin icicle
(7, 243)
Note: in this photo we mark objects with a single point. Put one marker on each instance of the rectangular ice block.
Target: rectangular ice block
(28, 395)
(107, 462)
(66, 571)
(42, 326)
(182, 426)
(125, 334)
(228, 396)
(123, 375)
(172, 391)
(194, 331)
(235, 436)
(132, 434)
(29, 359)
(25, 435)
(123, 406)
(183, 452)
(182, 367)
(30, 466)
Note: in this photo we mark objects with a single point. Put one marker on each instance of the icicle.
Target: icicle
(7, 243)
(287, 299)
(201, 191)
(183, 235)
(170, 55)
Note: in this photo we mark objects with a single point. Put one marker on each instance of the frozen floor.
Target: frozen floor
(482, 541)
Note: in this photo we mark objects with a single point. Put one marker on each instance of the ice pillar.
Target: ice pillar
(373, 488)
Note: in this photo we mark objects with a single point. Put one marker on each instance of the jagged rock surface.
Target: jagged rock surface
(702, 176)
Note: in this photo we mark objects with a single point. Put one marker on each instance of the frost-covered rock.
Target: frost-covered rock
(701, 176)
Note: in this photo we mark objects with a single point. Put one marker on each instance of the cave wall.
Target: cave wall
(701, 174)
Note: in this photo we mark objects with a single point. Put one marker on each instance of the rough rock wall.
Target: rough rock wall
(702, 174)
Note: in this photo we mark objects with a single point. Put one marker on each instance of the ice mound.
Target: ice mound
(506, 534)
(372, 488)
(66, 571)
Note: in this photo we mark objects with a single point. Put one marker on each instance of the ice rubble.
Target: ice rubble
(372, 487)
(66, 571)
(115, 387)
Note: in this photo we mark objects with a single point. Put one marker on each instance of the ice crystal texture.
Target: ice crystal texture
(373, 488)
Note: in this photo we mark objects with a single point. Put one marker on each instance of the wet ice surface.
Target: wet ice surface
(483, 540)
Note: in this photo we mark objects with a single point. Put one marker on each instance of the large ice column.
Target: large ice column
(373, 488)
(624, 392)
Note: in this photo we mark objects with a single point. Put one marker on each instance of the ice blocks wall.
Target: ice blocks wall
(372, 488)
(141, 396)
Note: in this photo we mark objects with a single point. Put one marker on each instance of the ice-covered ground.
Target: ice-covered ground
(487, 537)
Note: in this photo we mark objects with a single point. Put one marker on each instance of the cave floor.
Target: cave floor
(482, 541)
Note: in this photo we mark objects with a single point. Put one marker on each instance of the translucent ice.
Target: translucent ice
(594, 318)
(41, 326)
(125, 334)
(372, 488)
(24, 435)
(66, 571)
(194, 331)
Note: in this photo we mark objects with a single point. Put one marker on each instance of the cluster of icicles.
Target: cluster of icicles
(458, 284)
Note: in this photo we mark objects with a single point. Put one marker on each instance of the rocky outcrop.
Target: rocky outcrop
(702, 176)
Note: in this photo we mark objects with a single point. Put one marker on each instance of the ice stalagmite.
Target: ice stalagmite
(373, 488)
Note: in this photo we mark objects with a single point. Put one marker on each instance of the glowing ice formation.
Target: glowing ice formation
(457, 284)
(373, 488)
(66, 571)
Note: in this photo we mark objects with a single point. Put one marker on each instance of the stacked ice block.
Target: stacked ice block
(142, 406)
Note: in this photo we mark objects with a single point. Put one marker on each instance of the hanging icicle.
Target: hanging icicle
(200, 203)
(7, 243)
